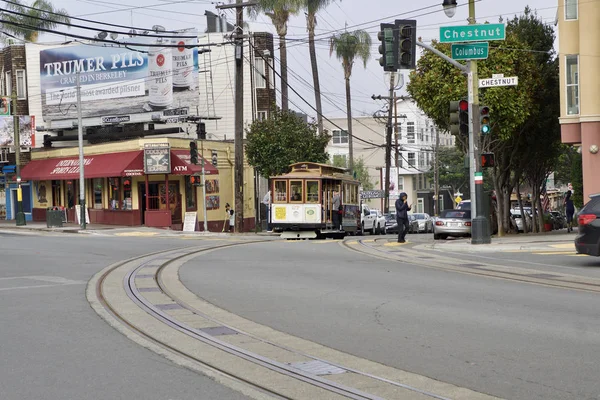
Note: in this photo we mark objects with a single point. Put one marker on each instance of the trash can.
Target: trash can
(54, 218)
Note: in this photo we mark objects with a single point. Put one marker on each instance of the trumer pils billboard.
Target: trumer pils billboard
(142, 75)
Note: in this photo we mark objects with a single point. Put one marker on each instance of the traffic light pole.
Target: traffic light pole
(19, 215)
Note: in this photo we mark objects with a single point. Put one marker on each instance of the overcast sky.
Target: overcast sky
(350, 14)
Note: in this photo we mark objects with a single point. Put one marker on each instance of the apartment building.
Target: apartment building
(579, 50)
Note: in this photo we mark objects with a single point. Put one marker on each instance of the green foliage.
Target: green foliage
(339, 161)
(361, 172)
(577, 181)
(41, 15)
(350, 45)
(452, 169)
(275, 143)
(563, 168)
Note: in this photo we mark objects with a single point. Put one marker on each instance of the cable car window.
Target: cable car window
(312, 191)
(346, 193)
(296, 191)
(281, 191)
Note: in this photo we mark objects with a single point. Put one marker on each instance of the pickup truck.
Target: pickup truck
(368, 220)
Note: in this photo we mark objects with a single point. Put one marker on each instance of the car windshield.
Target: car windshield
(464, 205)
(420, 216)
(390, 217)
(463, 214)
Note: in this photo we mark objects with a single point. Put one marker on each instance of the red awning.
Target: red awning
(128, 163)
(181, 165)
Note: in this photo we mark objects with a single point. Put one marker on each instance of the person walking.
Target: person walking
(335, 213)
(569, 211)
(402, 209)
(267, 202)
(229, 215)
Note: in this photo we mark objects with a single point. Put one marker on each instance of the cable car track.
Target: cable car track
(165, 259)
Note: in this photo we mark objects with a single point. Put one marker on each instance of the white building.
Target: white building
(416, 135)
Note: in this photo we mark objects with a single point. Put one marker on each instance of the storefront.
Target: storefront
(147, 182)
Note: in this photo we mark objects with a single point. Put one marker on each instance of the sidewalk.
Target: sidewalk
(553, 240)
(118, 230)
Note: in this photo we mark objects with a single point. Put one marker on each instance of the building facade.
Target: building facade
(579, 53)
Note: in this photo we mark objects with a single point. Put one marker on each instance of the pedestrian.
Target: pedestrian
(335, 213)
(229, 216)
(402, 209)
(267, 202)
(569, 211)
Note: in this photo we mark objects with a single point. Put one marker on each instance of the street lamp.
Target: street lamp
(449, 8)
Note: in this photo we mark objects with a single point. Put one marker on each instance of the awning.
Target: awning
(181, 165)
(128, 163)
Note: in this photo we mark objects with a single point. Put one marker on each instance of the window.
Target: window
(410, 132)
(400, 183)
(340, 137)
(271, 73)
(421, 134)
(401, 161)
(419, 205)
(190, 193)
(261, 115)
(2, 87)
(570, 9)
(296, 191)
(280, 191)
(21, 85)
(115, 193)
(312, 191)
(8, 83)
(411, 159)
(259, 74)
(97, 182)
(572, 69)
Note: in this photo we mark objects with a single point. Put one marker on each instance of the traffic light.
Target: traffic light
(201, 130)
(487, 160)
(459, 117)
(407, 43)
(193, 152)
(387, 47)
(484, 120)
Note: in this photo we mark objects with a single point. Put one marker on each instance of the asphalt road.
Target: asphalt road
(505, 338)
(55, 347)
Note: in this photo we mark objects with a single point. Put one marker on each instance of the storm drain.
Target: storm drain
(218, 331)
(317, 367)
(542, 276)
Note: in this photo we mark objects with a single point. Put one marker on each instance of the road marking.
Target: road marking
(368, 240)
(353, 242)
(563, 246)
(550, 253)
(136, 234)
(393, 244)
(51, 280)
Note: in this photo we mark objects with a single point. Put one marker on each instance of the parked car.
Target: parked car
(424, 221)
(368, 221)
(454, 223)
(379, 222)
(587, 240)
(413, 224)
(519, 220)
(391, 224)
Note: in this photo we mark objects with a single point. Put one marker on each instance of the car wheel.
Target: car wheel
(443, 237)
(436, 236)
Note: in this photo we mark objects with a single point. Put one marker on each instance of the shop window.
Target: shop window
(312, 191)
(190, 193)
(296, 191)
(97, 182)
(127, 194)
(114, 193)
(71, 194)
(280, 191)
(56, 194)
(26, 198)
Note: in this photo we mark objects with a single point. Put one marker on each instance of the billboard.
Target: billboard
(137, 76)
(26, 131)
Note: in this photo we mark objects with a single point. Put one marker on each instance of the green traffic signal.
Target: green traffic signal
(387, 48)
(484, 120)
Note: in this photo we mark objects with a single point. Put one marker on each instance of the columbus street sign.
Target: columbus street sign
(472, 33)
(470, 51)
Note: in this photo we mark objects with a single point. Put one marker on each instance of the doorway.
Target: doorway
(157, 199)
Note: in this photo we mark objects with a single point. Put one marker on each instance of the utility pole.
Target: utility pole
(388, 144)
(204, 191)
(397, 150)
(20, 216)
(239, 118)
(82, 220)
(436, 174)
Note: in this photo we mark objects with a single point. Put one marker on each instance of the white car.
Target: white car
(425, 222)
(379, 222)
(368, 221)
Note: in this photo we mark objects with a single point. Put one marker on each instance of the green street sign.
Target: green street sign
(472, 33)
(470, 51)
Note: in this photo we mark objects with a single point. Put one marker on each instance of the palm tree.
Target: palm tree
(41, 14)
(279, 12)
(312, 7)
(347, 47)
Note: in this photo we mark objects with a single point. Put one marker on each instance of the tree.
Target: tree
(348, 46)
(275, 143)
(360, 171)
(312, 7)
(452, 169)
(40, 15)
(279, 12)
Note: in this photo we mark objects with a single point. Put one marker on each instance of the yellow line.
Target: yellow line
(563, 246)
(354, 242)
(393, 244)
(137, 234)
(368, 240)
(579, 255)
(550, 253)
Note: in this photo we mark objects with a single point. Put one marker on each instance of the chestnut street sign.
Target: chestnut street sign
(472, 33)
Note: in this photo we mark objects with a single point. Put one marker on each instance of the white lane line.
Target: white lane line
(27, 287)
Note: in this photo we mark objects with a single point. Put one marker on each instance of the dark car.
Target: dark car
(587, 240)
(391, 225)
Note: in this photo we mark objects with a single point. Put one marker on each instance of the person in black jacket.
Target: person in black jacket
(402, 209)
(569, 210)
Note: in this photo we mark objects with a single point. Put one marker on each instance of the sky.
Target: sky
(339, 15)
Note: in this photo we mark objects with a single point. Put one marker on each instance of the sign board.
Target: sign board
(26, 131)
(143, 76)
(116, 119)
(157, 158)
(176, 112)
(78, 214)
(372, 194)
(470, 51)
(458, 199)
(494, 82)
(472, 33)
(4, 105)
(189, 221)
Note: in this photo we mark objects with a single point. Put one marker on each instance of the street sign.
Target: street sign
(493, 82)
(472, 33)
(458, 199)
(372, 194)
(470, 51)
